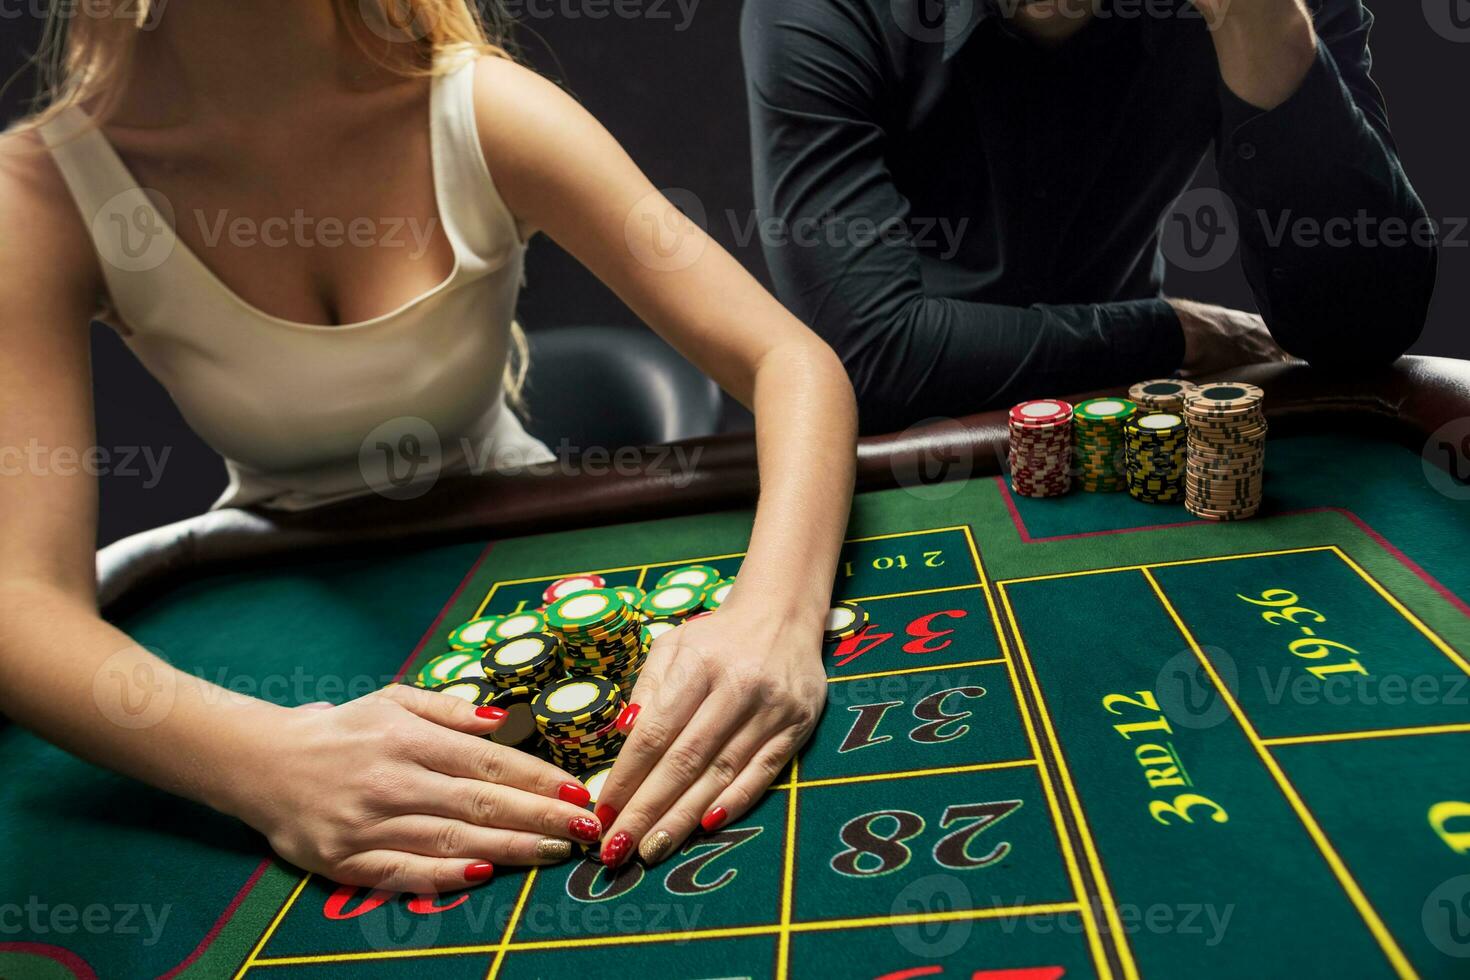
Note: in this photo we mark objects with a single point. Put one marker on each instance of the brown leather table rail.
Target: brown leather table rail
(1406, 402)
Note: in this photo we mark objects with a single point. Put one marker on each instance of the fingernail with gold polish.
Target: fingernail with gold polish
(655, 846)
(553, 849)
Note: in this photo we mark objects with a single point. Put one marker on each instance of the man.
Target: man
(1018, 160)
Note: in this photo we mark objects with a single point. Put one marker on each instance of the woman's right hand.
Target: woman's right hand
(399, 790)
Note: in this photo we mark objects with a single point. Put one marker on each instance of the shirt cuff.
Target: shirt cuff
(1146, 337)
(1312, 119)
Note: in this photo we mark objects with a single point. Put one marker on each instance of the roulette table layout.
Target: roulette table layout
(1080, 736)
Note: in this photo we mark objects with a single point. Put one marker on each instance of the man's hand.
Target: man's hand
(1265, 47)
(1216, 338)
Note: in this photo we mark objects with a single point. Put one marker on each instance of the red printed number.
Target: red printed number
(924, 636)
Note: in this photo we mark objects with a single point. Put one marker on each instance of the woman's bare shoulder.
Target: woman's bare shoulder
(35, 202)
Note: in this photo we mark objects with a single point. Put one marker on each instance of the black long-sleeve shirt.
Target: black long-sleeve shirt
(970, 218)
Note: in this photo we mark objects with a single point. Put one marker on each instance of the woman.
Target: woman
(286, 113)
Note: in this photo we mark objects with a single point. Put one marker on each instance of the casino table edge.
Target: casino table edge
(1405, 401)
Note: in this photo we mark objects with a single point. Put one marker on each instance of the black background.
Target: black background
(669, 86)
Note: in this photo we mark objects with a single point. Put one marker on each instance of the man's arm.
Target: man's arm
(1338, 248)
(819, 75)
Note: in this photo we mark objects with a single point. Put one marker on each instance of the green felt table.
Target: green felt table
(1081, 737)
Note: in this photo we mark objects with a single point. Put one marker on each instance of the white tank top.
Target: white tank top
(304, 414)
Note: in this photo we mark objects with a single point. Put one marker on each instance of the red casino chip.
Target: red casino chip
(564, 587)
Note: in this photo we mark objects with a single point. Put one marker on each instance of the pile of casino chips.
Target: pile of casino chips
(1098, 453)
(1165, 395)
(577, 718)
(586, 631)
(1226, 471)
(600, 634)
(1041, 448)
(1156, 449)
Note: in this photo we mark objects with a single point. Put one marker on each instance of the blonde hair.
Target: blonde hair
(86, 56)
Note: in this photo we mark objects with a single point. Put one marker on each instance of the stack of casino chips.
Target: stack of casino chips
(577, 719)
(1155, 450)
(1226, 471)
(1099, 452)
(600, 634)
(1041, 448)
(1164, 395)
(531, 659)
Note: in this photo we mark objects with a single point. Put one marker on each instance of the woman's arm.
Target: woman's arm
(393, 790)
(726, 700)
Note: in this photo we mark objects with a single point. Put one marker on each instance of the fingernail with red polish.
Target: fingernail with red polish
(605, 814)
(574, 793)
(585, 829)
(625, 720)
(479, 872)
(490, 712)
(615, 851)
(715, 819)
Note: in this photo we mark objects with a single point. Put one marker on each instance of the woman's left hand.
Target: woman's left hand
(721, 705)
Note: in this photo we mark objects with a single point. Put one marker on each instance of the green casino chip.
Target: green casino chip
(518, 624)
(631, 594)
(672, 600)
(474, 635)
(585, 610)
(715, 593)
(450, 666)
(694, 576)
